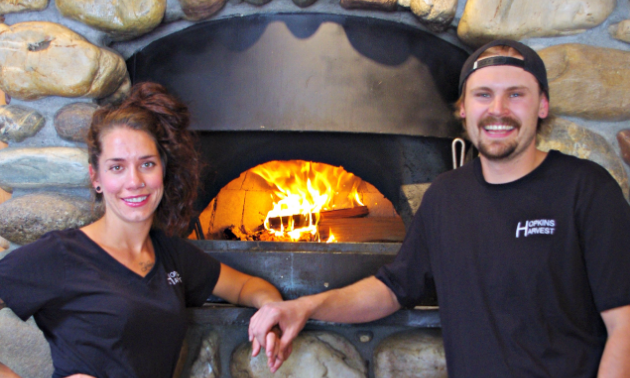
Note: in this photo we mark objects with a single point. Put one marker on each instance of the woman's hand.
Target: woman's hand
(274, 327)
(275, 359)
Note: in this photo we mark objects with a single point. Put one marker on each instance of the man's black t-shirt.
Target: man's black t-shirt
(522, 270)
(99, 317)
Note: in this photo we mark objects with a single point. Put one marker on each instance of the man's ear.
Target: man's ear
(543, 107)
(462, 111)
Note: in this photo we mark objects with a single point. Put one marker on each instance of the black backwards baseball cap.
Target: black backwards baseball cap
(531, 62)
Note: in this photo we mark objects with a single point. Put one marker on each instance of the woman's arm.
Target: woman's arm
(243, 289)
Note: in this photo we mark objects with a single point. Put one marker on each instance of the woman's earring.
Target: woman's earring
(98, 189)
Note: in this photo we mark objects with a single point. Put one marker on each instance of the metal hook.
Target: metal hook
(454, 151)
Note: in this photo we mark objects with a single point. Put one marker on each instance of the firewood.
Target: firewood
(353, 212)
(363, 229)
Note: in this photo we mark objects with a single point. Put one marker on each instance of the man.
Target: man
(528, 250)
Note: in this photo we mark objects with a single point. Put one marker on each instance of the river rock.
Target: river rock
(72, 121)
(121, 19)
(411, 354)
(46, 59)
(32, 167)
(486, 20)
(571, 139)
(12, 6)
(304, 3)
(315, 355)
(119, 95)
(206, 364)
(588, 82)
(26, 218)
(620, 30)
(385, 5)
(23, 347)
(623, 138)
(200, 9)
(438, 13)
(410, 198)
(19, 122)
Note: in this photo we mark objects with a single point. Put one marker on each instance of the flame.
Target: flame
(331, 238)
(301, 191)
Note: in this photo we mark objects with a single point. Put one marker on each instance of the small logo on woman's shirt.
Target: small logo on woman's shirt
(174, 278)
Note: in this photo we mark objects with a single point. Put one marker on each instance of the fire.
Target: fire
(301, 191)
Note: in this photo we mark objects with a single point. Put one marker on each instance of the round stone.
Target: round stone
(72, 122)
(33, 167)
(571, 139)
(411, 354)
(121, 19)
(19, 122)
(315, 355)
(23, 348)
(41, 59)
(26, 218)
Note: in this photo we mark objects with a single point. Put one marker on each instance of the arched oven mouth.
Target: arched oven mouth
(370, 95)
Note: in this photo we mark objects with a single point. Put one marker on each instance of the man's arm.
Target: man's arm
(364, 301)
(615, 362)
(5, 372)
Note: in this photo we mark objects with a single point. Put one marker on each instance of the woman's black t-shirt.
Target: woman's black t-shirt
(99, 317)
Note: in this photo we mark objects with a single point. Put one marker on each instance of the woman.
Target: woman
(110, 297)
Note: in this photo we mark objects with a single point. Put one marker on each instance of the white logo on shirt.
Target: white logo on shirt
(174, 278)
(536, 227)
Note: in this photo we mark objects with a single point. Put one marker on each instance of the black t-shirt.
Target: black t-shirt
(99, 317)
(522, 270)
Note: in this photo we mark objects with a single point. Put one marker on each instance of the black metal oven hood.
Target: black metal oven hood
(308, 72)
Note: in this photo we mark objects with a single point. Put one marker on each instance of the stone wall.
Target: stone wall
(59, 60)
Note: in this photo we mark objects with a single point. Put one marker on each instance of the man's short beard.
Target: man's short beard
(501, 150)
(504, 152)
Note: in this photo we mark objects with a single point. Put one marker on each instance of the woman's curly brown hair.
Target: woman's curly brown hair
(150, 108)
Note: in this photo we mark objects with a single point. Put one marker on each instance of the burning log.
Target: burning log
(260, 234)
(302, 220)
(354, 212)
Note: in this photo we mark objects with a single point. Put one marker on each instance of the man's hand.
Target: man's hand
(290, 317)
(363, 301)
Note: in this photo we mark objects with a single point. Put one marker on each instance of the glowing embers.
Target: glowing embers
(301, 201)
(302, 190)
